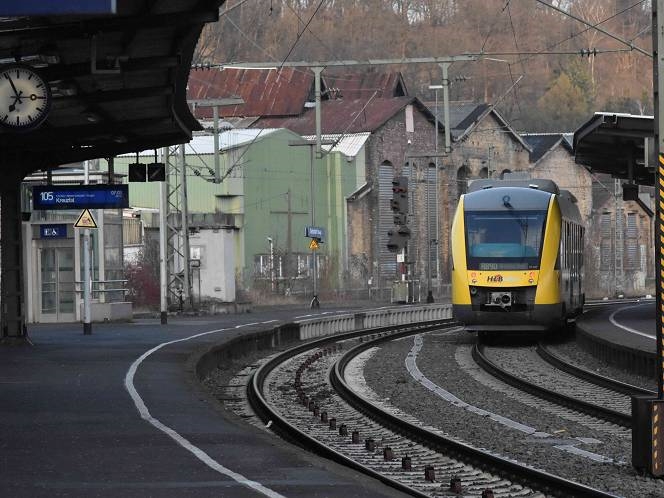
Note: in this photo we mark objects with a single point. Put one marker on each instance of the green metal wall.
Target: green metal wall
(258, 186)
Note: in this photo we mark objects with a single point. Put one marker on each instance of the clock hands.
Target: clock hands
(17, 95)
(16, 92)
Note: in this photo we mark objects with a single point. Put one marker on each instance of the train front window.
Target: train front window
(504, 240)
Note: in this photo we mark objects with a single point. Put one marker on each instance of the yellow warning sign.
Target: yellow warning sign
(85, 220)
(313, 245)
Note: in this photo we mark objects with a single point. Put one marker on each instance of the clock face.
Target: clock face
(25, 97)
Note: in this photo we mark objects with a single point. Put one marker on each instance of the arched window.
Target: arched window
(504, 172)
(484, 173)
(463, 173)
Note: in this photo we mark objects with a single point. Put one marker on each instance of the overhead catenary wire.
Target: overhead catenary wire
(596, 26)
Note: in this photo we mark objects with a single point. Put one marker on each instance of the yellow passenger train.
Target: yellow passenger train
(517, 256)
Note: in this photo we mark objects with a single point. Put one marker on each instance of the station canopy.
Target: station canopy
(621, 145)
(118, 80)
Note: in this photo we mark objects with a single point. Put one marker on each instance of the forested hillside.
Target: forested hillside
(543, 69)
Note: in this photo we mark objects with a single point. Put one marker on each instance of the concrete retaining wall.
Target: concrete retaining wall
(321, 326)
(316, 327)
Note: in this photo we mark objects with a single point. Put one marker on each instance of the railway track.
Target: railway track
(524, 369)
(551, 357)
(307, 394)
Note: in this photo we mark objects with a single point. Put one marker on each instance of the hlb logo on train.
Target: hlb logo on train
(494, 278)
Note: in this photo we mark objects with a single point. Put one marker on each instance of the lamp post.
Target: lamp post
(269, 241)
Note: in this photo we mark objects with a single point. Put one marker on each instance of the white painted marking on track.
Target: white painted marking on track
(179, 439)
(625, 327)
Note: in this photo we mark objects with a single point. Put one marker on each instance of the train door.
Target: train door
(56, 284)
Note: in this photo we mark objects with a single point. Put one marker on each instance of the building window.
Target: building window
(462, 180)
(632, 257)
(606, 241)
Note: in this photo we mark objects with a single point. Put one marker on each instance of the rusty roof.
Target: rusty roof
(266, 92)
(363, 85)
(344, 116)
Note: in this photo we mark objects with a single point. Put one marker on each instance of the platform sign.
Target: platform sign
(100, 196)
(315, 233)
(60, 7)
(53, 231)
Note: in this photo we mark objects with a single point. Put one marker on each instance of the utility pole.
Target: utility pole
(648, 413)
(215, 103)
(87, 273)
(315, 303)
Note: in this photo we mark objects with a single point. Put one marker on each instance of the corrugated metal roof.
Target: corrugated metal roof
(266, 92)
(204, 144)
(349, 145)
(363, 85)
(342, 116)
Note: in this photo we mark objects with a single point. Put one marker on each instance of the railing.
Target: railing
(321, 326)
(99, 289)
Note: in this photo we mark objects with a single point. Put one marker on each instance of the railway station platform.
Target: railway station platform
(119, 413)
(621, 333)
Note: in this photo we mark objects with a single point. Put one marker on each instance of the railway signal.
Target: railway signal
(398, 237)
(399, 203)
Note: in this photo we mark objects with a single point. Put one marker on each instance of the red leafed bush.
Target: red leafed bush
(142, 285)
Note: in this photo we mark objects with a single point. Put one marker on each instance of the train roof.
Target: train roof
(528, 194)
(534, 183)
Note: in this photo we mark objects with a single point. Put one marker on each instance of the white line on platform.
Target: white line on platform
(624, 327)
(182, 441)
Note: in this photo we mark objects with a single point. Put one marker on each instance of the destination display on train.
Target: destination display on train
(99, 196)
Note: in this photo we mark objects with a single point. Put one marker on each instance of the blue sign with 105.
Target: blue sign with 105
(100, 196)
(41, 8)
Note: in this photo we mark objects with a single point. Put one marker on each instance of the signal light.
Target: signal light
(399, 202)
(137, 172)
(400, 219)
(153, 172)
(156, 172)
(397, 239)
(400, 184)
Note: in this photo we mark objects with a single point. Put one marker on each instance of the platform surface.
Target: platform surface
(116, 413)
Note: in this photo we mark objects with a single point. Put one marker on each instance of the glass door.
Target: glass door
(57, 284)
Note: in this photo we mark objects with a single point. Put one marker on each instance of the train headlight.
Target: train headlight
(506, 299)
(473, 291)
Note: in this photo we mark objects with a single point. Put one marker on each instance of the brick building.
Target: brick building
(402, 141)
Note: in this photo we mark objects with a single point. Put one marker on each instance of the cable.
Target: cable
(509, 66)
(595, 26)
(300, 34)
(330, 51)
(495, 21)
